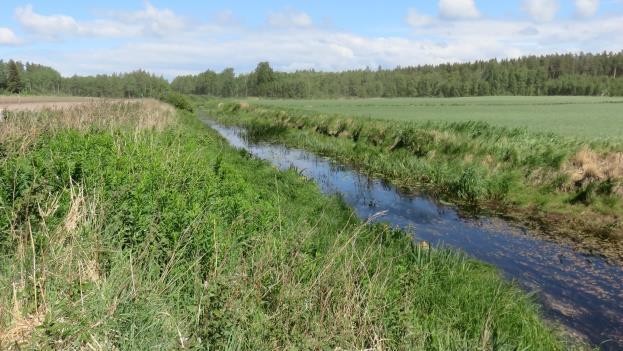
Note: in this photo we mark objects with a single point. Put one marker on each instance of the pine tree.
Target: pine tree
(2, 75)
(14, 80)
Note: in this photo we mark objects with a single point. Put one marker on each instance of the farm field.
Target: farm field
(575, 116)
(571, 184)
(133, 226)
(296, 175)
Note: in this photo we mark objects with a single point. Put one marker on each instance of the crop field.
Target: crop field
(575, 116)
(574, 186)
(131, 226)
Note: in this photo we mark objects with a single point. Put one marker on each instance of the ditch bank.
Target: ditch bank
(583, 292)
(569, 190)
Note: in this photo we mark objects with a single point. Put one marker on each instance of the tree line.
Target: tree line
(559, 74)
(29, 78)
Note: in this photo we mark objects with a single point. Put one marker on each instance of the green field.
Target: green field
(586, 117)
(134, 227)
(573, 185)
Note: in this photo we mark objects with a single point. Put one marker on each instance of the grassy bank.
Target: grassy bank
(570, 116)
(130, 226)
(571, 187)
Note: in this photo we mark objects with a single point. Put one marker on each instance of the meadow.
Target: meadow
(571, 116)
(133, 226)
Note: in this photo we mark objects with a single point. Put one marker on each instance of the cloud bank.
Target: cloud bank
(163, 41)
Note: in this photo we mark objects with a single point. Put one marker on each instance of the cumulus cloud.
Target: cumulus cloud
(291, 41)
(289, 18)
(7, 37)
(541, 10)
(148, 21)
(458, 9)
(48, 25)
(153, 20)
(416, 19)
(326, 49)
(586, 8)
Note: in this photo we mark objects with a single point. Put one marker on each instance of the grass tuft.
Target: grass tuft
(146, 231)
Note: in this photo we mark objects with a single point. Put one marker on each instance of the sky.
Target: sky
(171, 38)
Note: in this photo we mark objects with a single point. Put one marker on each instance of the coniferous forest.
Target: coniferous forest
(570, 74)
(560, 74)
(35, 79)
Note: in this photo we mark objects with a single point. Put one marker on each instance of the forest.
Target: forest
(560, 74)
(34, 79)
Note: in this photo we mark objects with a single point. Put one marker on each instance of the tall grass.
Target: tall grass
(572, 116)
(148, 232)
(574, 187)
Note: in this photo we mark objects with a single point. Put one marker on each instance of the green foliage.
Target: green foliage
(471, 184)
(566, 74)
(3, 75)
(38, 80)
(178, 100)
(263, 79)
(147, 239)
(559, 74)
(587, 117)
(137, 84)
(470, 162)
(14, 79)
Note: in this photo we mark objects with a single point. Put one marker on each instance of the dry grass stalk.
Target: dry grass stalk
(21, 128)
(588, 165)
(21, 330)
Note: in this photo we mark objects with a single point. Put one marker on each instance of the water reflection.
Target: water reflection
(584, 293)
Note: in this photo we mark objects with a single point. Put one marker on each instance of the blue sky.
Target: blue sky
(178, 37)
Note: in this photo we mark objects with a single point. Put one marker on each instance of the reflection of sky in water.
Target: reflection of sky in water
(583, 292)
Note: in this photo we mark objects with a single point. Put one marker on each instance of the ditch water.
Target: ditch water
(582, 292)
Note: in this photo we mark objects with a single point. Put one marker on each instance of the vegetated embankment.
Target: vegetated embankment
(130, 226)
(571, 188)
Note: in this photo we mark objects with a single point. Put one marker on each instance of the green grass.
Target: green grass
(157, 235)
(586, 117)
(572, 186)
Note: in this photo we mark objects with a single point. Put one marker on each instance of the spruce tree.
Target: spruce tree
(14, 80)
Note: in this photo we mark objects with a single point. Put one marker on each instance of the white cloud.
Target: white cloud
(586, 8)
(45, 25)
(7, 37)
(289, 18)
(458, 9)
(148, 21)
(291, 41)
(541, 10)
(326, 49)
(154, 20)
(416, 19)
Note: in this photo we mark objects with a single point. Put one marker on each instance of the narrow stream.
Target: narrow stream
(582, 292)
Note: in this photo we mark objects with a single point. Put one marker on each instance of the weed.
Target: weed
(116, 236)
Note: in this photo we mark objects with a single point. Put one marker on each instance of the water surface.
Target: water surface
(584, 293)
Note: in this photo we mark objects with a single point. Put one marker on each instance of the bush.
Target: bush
(178, 100)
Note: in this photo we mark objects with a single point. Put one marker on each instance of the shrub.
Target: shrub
(178, 100)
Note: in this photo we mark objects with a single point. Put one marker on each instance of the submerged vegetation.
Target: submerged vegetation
(573, 187)
(130, 226)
